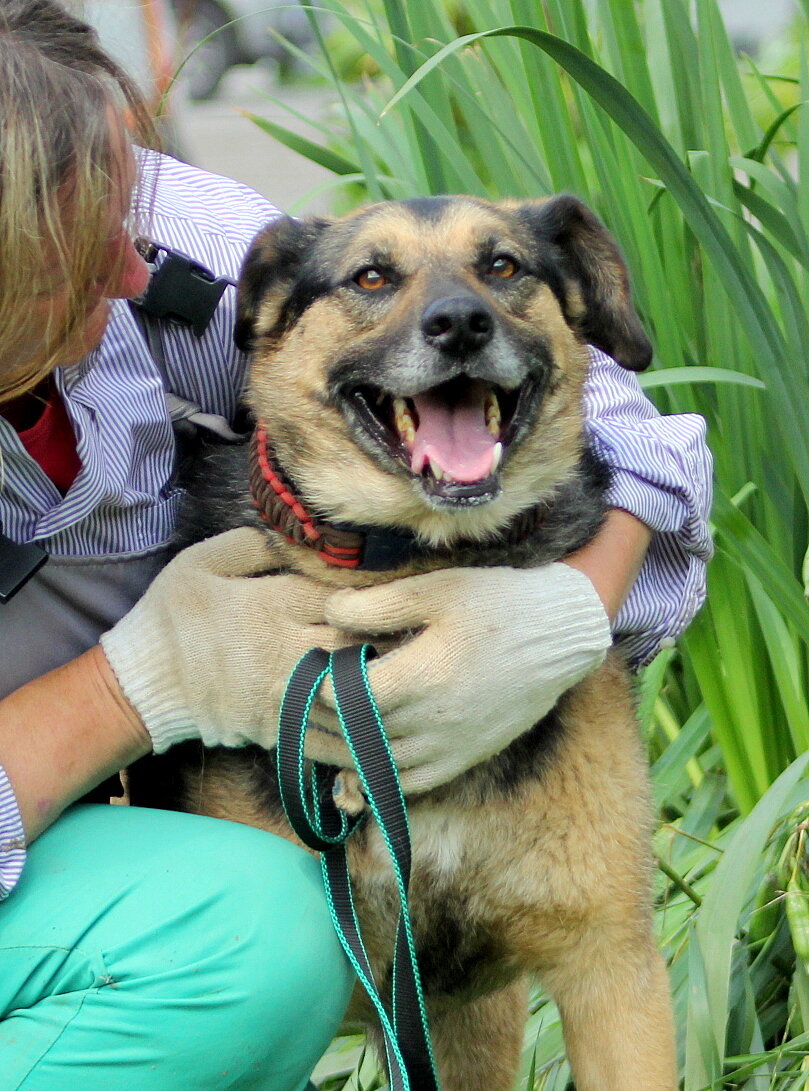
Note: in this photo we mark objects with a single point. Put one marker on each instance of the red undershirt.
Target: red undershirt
(50, 440)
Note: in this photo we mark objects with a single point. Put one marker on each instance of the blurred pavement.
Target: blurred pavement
(216, 136)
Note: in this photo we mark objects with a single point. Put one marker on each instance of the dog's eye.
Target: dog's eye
(371, 279)
(503, 266)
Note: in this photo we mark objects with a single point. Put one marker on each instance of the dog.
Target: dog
(364, 331)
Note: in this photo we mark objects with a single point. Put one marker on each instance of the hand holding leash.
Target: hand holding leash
(206, 652)
(495, 650)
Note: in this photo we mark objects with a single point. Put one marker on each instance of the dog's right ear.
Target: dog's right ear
(270, 272)
(599, 304)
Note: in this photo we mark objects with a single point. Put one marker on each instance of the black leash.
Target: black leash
(320, 824)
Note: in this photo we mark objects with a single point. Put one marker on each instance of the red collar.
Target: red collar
(283, 511)
(345, 545)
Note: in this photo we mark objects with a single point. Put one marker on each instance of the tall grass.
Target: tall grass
(700, 165)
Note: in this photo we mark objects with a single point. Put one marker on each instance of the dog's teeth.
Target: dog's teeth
(439, 473)
(497, 455)
(403, 418)
(406, 429)
(491, 410)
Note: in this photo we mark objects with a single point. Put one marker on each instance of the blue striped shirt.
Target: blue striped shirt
(661, 473)
(124, 500)
(12, 837)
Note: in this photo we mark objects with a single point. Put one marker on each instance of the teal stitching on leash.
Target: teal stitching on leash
(401, 880)
(318, 822)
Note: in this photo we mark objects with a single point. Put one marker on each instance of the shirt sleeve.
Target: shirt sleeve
(214, 220)
(662, 474)
(12, 838)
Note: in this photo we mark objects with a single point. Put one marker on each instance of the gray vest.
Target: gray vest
(65, 607)
(71, 601)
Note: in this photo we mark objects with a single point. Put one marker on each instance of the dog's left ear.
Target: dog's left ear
(272, 268)
(598, 303)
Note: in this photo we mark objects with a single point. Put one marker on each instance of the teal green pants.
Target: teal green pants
(155, 951)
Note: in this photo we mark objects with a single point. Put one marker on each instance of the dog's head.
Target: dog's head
(420, 363)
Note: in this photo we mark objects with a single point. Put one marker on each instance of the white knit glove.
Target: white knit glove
(206, 653)
(496, 649)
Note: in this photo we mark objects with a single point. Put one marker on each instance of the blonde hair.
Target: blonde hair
(58, 173)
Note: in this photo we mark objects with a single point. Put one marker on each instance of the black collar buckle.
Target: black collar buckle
(384, 549)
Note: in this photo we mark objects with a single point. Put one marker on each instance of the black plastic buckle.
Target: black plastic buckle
(181, 290)
(384, 549)
(18, 563)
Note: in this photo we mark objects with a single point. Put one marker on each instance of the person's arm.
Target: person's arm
(62, 734)
(661, 473)
(613, 559)
(204, 654)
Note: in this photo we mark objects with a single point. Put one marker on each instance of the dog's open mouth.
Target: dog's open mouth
(452, 437)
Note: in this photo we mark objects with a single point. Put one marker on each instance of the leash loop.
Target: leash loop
(319, 823)
(308, 806)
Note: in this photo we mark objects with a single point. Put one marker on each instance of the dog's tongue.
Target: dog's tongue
(454, 437)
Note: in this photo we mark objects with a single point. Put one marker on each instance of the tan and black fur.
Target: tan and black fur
(537, 861)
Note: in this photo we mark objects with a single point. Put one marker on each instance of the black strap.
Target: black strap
(19, 561)
(188, 420)
(319, 823)
(309, 807)
(366, 738)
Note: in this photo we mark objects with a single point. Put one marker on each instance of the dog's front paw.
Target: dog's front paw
(347, 793)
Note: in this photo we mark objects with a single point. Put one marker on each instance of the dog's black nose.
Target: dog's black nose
(457, 324)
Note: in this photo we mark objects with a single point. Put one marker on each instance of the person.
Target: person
(168, 950)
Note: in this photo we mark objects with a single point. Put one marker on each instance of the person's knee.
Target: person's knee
(282, 965)
(252, 920)
(236, 933)
(290, 947)
(212, 944)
